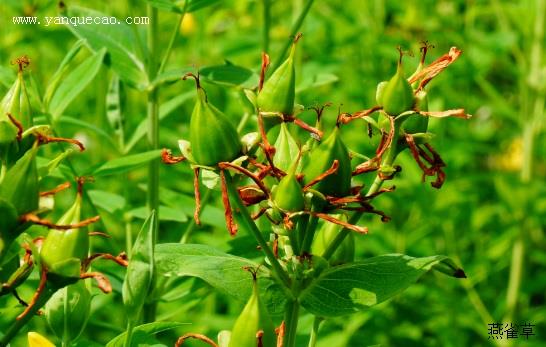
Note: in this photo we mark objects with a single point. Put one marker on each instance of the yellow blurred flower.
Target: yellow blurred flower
(37, 340)
(188, 25)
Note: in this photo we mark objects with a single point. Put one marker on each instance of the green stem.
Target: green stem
(314, 331)
(129, 332)
(392, 152)
(302, 228)
(267, 24)
(153, 142)
(248, 223)
(291, 316)
(19, 323)
(295, 28)
(531, 128)
(174, 36)
(309, 235)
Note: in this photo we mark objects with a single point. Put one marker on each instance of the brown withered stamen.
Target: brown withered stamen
(99, 233)
(56, 190)
(303, 125)
(434, 68)
(265, 64)
(102, 281)
(36, 296)
(259, 338)
(22, 62)
(415, 153)
(328, 218)
(320, 109)
(261, 185)
(287, 222)
(384, 144)
(322, 176)
(18, 125)
(199, 337)
(228, 213)
(268, 149)
(347, 117)
(168, 158)
(120, 259)
(259, 213)
(280, 331)
(197, 195)
(32, 218)
(42, 139)
(276, 246)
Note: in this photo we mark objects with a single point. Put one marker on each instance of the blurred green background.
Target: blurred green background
(493, 202)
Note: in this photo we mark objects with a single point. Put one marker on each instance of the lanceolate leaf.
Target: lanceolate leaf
(230, 75)
(140, 270)
(118, 39)
(220, 270)
(143, 334)
(74, 83)
(348, 288)
(127, 163)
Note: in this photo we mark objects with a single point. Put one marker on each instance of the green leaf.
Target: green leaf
(140, 269)
(7, 76)
(317, 80)
(114, 113)
(74, 83)
(178, 6)
(109, 202)
(120, 42)
(143, 334)
(164, 110)
(57, 76)
(127, 163)
(230, 75)
(68, 120)
(165, 213)
(221, 270)
(348, 288)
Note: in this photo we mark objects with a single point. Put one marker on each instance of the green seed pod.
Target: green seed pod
(68, 310)
(212, 136)
(380, 91)
(326, 234)
(397, 95)
(321, 159)
(8, 222)
(289, 195)
(64, 250)
(279, 91)
(287, 149)
(16, 102)
(253, 319)
(20, 185)
(416, 123)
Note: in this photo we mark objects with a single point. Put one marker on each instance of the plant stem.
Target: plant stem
(153, 141)
(267, 24)
(291, 316)
(309, 235)
(129, 332)
(174, 36)
(391, 154)
(314, 331)
(19, 323)
(530, 130)
(295, 28)
(249, 224)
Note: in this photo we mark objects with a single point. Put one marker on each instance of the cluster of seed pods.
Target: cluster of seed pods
(62, 256)
(295, 182)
